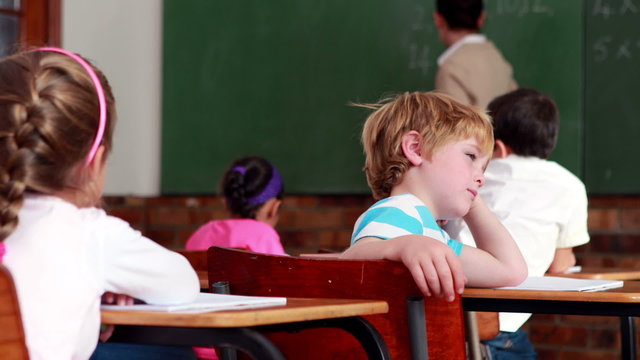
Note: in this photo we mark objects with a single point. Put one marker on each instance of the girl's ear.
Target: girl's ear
(268, 212)
(412, 147)
(274, 208)
(97, 165)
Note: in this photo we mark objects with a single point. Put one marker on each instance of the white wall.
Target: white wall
(124, 38)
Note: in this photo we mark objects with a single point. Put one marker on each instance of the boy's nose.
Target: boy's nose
(480, 179)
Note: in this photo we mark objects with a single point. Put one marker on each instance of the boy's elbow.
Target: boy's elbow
(517, 276)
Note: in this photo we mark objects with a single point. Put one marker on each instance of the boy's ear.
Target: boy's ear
(412, 147)
(481, 19)
(439, 20)
(501, 150)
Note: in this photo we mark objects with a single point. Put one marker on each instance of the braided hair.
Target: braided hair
(48, 122)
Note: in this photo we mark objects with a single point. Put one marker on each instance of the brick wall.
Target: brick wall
(309, 223)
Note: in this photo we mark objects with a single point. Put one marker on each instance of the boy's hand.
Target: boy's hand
(434, 266)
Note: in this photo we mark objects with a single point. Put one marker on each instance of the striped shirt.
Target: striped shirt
(399, 215)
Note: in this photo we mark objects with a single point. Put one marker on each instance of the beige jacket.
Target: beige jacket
(475, 73)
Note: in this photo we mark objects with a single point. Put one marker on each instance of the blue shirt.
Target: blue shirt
(399, 215)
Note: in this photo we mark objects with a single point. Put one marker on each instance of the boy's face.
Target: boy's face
(453, 176)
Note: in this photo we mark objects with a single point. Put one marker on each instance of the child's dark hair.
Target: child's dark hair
(527, 121)
(248, 183)
(49, 117)
(460, 14)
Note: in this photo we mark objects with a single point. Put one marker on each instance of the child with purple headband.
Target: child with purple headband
(252, 192)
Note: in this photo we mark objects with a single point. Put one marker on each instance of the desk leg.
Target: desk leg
(370, 339)
(628, 335)
(247, 340)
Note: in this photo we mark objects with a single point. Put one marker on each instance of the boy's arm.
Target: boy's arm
(497, 261)
(434, 266)
(563, 260)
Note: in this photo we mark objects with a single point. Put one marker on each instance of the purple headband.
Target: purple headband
(270, 191)
(101, 97)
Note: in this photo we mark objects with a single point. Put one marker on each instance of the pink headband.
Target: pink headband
(101, 97)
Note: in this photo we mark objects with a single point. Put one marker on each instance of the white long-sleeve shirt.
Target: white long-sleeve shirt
(63, 259)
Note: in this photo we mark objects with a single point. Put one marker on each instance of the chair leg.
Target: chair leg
(473, 339)
(417, 328)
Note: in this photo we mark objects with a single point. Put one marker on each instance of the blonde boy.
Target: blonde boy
(425, 158)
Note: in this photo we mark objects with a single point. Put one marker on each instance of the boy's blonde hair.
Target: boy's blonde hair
(438, 118)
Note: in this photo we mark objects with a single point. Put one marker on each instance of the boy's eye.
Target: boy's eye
(472, 156)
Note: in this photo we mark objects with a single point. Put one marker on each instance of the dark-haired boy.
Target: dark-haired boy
(472, 69)
(542, 204)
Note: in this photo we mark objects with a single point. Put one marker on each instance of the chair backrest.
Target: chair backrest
(12, 340)
(197, 258)
(269, 275)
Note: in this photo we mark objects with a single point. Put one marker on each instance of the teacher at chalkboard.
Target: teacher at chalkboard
(472, 69)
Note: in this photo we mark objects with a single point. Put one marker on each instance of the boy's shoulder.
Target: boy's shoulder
(530, 173)
(398, 201)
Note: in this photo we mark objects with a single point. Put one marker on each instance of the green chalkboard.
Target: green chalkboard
(275, 78)
(612, 106)
(544, 42)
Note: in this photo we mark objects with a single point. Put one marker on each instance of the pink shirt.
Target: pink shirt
(237, 233)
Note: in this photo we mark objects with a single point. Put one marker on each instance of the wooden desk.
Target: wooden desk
(242, 329)
(603, 273)
(622, 302)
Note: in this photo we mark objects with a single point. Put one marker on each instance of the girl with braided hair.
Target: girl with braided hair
(57, 115)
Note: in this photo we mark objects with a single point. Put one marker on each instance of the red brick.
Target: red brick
(559, 335)
(630, 262)
(130, 215)
(135, 201)
(298, 239)
(546, 354)
(300, 201)
(603, 219)
(287, 218)
(599, 243)
(113, 200)
(168, 216)
(334, 239)
(590, 321)
(342, 201)
(630, 219)
(165, 201)
(614, 201)
(184, 235)
(588, 354)
(543, 319)
(351, 215)
(165, 238)
(605, 338)
(318, 219)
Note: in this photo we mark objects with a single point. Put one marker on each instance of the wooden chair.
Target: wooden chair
(256, 274)
(197, 258)
(12, 340)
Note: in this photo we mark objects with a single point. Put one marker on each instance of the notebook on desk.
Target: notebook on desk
(557, 283)
(206, 302)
